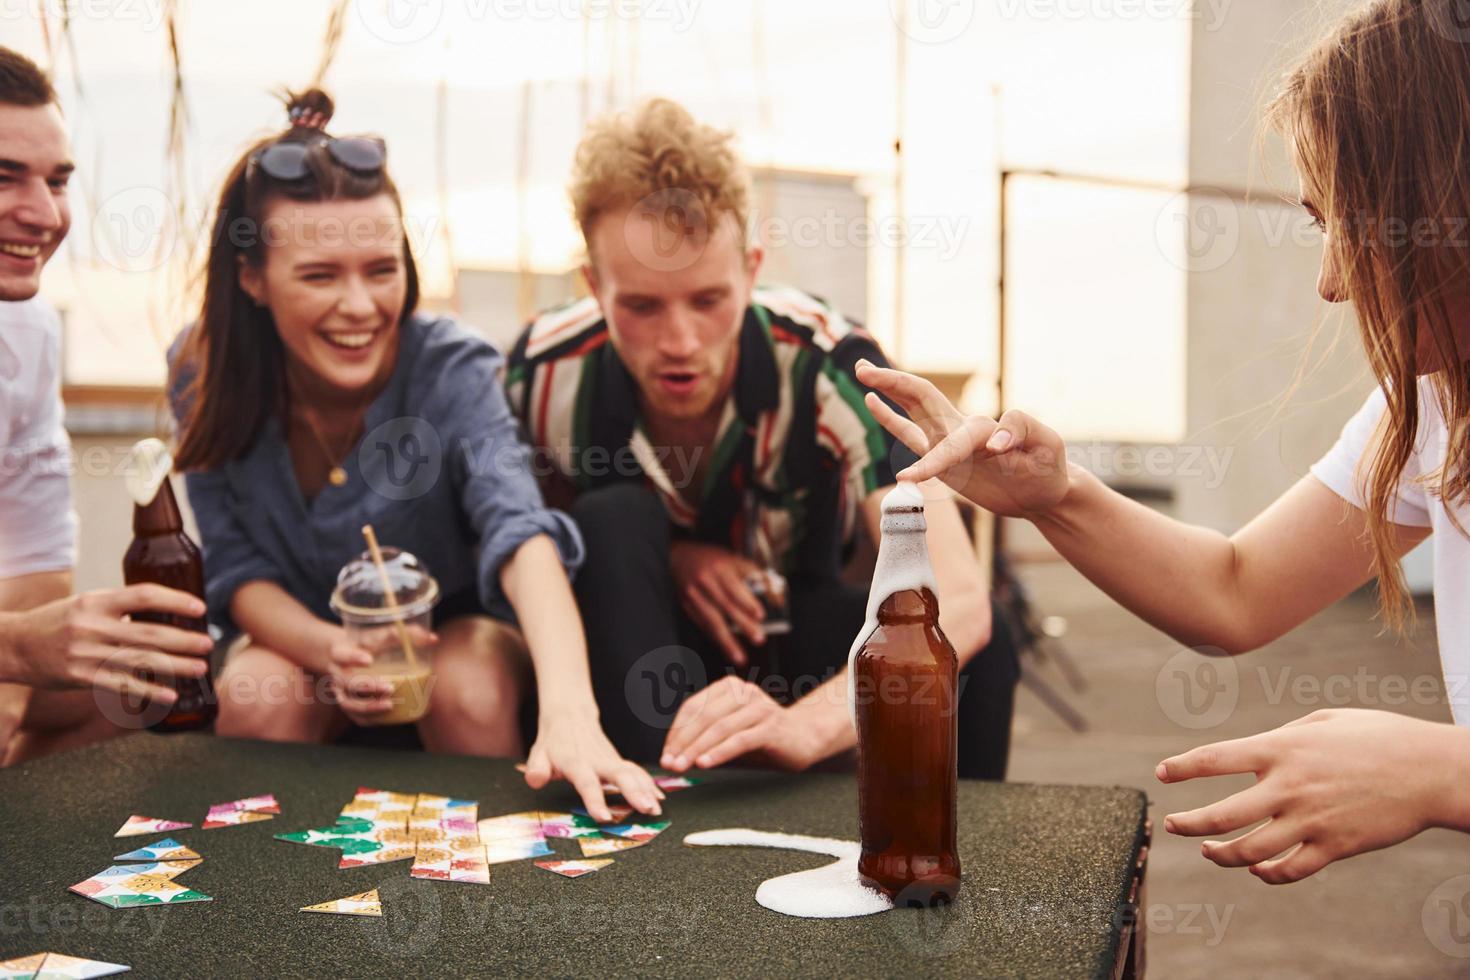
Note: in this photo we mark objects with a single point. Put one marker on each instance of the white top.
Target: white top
(37, 526)
(1416, 507)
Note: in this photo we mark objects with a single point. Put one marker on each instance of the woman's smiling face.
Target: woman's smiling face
(335, 280)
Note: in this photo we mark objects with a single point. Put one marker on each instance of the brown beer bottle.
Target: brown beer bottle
(905, 678)
(163, 554)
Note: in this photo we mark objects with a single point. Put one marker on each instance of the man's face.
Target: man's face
(35, 165)
(674, 303)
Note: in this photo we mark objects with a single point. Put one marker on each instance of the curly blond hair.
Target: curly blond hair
(658, 158)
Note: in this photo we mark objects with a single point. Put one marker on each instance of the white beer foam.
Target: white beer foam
(903, 564)
(148, 466)
(833, 891)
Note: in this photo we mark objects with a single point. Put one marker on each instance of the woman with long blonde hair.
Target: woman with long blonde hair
(1378, 118)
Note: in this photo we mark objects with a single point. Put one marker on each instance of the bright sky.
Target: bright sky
(806, 84)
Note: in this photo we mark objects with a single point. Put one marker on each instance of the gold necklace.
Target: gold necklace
(337, 475)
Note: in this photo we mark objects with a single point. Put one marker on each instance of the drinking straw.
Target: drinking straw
(388, 595)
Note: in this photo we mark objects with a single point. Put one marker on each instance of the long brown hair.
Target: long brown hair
(234, 359)
(1379, 115)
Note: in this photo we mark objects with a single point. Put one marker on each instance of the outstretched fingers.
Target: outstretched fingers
(959, 448)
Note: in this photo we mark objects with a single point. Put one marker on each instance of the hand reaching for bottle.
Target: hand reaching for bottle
(1015, 467)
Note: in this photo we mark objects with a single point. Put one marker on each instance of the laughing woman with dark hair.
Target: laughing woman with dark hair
(309, 340)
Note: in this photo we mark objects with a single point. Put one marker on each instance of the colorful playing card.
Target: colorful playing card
(255, 804)
(671, 783)
(366, 903)
(442, 864)
(23, 968)
(575, 869)
(345, 832)
(426, 802)
(130, 885)
(597, 846)
(233, 818)
(381, 854)
(55, 966)
(525, 825)
(167, 849)
(139, 825)
(567, 825)
(502, 851)
(638, 831)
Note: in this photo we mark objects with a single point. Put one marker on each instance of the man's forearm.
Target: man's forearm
(826, 719)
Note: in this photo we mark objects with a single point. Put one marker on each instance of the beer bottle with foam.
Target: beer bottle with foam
(163, 554)
(903, 685)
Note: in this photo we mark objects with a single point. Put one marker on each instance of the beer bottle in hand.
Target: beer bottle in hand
(903, 677)
(163, 554)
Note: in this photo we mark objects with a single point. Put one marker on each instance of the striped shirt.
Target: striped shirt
(796, 453)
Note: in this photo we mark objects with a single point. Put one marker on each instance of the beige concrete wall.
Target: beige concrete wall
(1251, 262)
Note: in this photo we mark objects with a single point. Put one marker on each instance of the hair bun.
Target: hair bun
(311, 109)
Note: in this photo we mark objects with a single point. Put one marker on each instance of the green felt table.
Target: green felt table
(1048, 874)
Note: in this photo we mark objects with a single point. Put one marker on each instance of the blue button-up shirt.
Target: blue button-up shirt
(441, 471)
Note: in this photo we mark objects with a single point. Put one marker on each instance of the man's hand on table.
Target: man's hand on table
(732, 718)
(571, 745)
(711, 582)
(87, 641)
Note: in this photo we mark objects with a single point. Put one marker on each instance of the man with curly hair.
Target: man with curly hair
(706, 431)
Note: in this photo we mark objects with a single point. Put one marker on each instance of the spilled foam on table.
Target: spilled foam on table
(832, 891)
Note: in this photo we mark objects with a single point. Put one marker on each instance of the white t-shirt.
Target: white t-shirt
(37, 525)
(1416, 507)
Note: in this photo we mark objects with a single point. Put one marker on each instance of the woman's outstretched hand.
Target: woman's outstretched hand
(1014, 467)
(1330, 785)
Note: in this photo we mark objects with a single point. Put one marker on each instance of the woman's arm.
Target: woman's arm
(569, 741)
(1205, 589)
(1237, 593)
(277, 620)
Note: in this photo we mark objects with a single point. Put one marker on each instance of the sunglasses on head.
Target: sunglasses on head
(285, 159)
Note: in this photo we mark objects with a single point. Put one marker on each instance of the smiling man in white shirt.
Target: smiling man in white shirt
(55, 648)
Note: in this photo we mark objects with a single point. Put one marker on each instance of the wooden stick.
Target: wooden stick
(392, 600)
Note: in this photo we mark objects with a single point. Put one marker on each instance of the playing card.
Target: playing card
(233, 818)
(130, 885)
(502, 851)
(511, 826)
(441, 864)
(574, 869)
(55, 966)
(567, 825)
(620, 813)
(167, 849)
(137, 826)
(671, 783)
(255, 804)
(22, 968)
(365, 903)
(597, 846)
(638, 831)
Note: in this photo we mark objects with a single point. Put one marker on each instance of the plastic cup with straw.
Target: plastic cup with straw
(384, 619)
